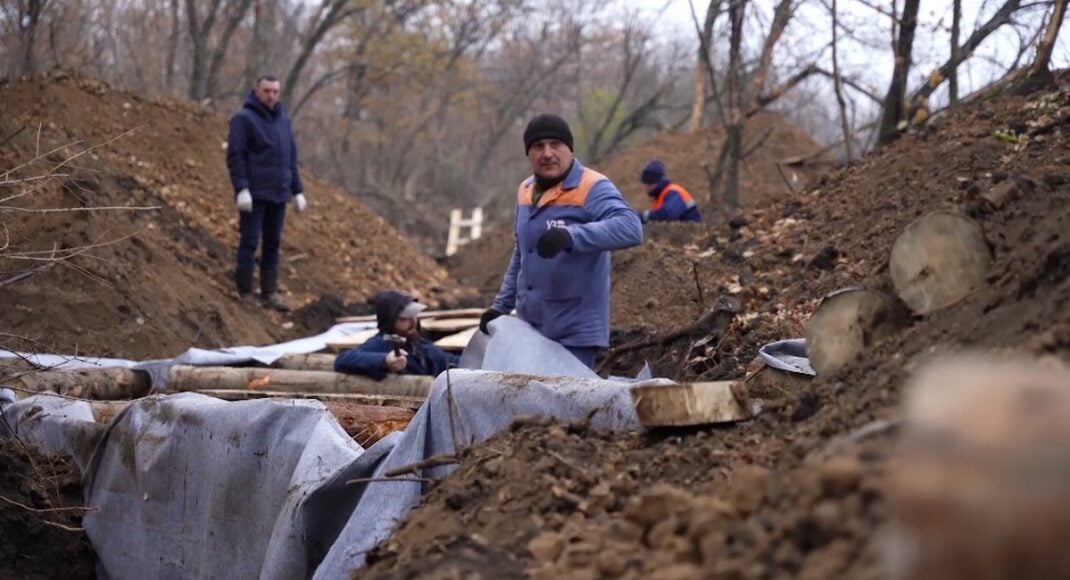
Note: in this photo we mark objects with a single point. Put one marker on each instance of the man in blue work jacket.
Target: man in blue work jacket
(398, 348)
(669, 201)
(262, 159)
(568, 219)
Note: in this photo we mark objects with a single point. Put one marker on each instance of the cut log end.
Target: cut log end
(846, 323)
(938, 260)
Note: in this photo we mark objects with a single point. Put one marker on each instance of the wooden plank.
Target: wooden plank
(439, 314)
(449, 324)
(190, 378)
(457, 342)
(380, 400)
(352, 341)
(691, 403)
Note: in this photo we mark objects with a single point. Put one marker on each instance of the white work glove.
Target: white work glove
(644, 216)
(245, 201)
(395, 363)
(300, 202)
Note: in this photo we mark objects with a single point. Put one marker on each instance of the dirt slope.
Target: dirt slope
(776, 497)
(169, 286)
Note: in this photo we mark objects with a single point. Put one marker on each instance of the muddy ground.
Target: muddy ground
(40, 517)
(780, 496)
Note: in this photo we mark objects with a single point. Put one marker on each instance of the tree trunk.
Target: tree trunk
(1039, 71)
(32, 17)
(172, 45)
(211, 84)
(734, 133)
(838, 86)
(698, 107)
(188, 378)
(894, 109)
(953, 78)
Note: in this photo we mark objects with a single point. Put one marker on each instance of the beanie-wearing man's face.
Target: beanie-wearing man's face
(267, 92)
(549, 158)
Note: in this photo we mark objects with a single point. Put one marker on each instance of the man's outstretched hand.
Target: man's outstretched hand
(552, 242)
(488, 315)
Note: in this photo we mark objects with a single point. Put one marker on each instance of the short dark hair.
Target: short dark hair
(268, 78)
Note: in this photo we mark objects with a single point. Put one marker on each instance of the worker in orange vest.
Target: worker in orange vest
(668, 201)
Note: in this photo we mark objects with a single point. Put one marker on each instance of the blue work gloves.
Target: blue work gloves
(552, 242)
(488, 315)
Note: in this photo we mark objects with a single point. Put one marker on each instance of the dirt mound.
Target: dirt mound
(169, 285)
(40, 519)
(797, 492)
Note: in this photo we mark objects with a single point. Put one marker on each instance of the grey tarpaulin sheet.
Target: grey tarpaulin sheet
(788, 355)
(187, 486)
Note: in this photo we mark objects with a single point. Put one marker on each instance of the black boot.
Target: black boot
(269, 285)
(243, 279)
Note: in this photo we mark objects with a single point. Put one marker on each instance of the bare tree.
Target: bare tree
(838, 85)
(702, 68)
(27, 19)
(221, 18)
(953, 78)
(894, 109)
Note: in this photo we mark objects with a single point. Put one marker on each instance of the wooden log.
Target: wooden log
(938, 259)
(691, 403)
(305, 362)
(365, 423)
(375, 400)
(449, 324)
(101, 384)
(846, 322)
(190, 378)
(770, 383)
(457, 342)
(438, 314)
(980, 485)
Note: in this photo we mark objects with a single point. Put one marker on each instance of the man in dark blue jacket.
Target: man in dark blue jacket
(568, 219)
(262, 159)
(396, 315)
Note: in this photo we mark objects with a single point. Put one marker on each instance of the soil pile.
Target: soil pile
(40, 519)
(167, 284)
(799, 491)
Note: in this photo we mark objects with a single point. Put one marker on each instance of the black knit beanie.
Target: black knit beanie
(547, 126)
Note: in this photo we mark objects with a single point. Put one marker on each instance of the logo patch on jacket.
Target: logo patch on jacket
(555, 224)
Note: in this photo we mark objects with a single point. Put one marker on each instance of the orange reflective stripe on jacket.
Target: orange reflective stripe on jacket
(685, 196)
(558, 195)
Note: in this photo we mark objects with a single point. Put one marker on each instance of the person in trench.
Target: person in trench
(568, 220)
(398, 348)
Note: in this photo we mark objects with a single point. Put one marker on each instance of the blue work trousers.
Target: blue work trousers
(265, 220)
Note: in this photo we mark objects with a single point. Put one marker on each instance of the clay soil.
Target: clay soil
(40, 518)
(161, 281)
(789, 494)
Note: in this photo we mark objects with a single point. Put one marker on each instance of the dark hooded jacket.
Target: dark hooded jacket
(369, 359)
(262, 154)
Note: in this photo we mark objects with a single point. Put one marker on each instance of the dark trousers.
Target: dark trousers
(266, 219)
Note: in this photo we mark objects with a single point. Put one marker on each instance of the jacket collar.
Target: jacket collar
(659, 188)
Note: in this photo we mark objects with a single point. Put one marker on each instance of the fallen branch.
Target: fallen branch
(45, 510)
(24, 275)
(387, 479)
(433, 461)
